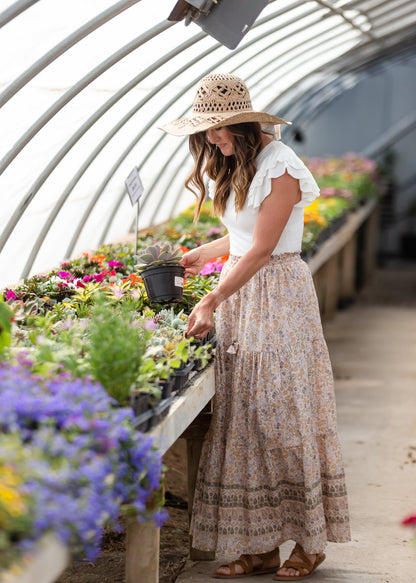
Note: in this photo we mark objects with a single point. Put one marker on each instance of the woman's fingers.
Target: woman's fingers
(192, 263)
(198, 326)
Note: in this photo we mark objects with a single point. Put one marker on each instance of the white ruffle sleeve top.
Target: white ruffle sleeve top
(272, 162)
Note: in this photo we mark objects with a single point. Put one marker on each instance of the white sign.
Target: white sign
(134, 186)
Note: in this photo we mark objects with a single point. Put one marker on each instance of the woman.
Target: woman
(271, 468)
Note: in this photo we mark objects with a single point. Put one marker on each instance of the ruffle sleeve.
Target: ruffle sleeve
(274, 160)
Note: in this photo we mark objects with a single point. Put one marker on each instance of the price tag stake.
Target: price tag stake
(135, 190)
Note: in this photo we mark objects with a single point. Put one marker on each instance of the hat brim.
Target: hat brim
(201, 122)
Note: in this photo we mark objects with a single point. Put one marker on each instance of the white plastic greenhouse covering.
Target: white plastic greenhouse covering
(85, 83)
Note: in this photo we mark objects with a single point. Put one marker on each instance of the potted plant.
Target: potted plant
(161, 273)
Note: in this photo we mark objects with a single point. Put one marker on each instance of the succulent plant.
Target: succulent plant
(156, 255)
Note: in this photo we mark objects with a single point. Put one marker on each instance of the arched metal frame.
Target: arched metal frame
(368, 29)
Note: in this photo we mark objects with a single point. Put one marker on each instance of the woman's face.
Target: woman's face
(223, 139)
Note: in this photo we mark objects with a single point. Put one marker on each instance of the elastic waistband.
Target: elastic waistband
(278, 258)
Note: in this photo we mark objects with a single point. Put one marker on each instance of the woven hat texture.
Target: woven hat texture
(220, 100)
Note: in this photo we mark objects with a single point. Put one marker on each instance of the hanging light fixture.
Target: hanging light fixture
(228, 21)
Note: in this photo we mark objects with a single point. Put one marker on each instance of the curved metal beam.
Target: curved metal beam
(77, 176)
(349, 63)
(189, 86)
(322, 49)
(340, 12)
(63, 46)
(14, 10)
(77, 88)
(58, 157)
(52, 165)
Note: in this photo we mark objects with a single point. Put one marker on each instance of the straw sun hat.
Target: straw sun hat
(221, 100)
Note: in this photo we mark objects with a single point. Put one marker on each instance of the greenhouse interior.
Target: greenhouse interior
(106, 397)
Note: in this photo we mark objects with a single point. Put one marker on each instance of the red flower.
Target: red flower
(409, 521)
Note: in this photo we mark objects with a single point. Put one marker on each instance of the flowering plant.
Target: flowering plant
(410, 521)
(85, 458)
(16, 503)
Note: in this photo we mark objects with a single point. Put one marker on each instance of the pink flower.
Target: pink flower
(207, 269)
(61, 284)
(23, 358)
(113, 263)
(79, 283)
(87, 278)
(328, 191)
(11, 295)
(64, 274)
(150, 324)
(211, 267)
(99, 277)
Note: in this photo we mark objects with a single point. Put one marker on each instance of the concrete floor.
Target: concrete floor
(373, 351)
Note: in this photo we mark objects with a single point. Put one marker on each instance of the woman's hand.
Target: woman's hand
(197, 258)
(201, 319)
(193, 261)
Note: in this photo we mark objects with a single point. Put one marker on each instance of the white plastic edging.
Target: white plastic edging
(44, 564)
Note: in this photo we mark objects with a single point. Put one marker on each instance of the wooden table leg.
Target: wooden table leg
(194, 436)
(142, 552)
(370, 244)
(348, 272)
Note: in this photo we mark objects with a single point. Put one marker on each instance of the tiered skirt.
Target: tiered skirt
(271, 467)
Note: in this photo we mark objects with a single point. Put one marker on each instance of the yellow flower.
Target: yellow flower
(10, 497)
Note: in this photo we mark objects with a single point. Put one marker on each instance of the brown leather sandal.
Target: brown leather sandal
(299, 562)
(246, 563)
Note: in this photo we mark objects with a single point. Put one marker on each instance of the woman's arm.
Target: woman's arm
(273, 215)
(194, 260)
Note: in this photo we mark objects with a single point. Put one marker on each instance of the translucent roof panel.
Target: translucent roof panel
(86, 84)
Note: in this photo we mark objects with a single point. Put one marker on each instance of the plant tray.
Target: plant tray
(182, 376)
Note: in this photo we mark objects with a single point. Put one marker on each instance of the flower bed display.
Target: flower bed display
(70, 462)
(88, 364)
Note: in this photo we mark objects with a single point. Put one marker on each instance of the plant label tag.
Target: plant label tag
(178, 281)
(134, 186)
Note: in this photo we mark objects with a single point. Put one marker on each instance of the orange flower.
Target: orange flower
(133, 278)
(184, 249)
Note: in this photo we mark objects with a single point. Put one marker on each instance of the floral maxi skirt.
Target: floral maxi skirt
(271, 467)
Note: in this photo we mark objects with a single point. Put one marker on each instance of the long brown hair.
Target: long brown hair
(228, 172)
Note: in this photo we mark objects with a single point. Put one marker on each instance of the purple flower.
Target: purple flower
(87, 278)
(64, 274)
(86, 457)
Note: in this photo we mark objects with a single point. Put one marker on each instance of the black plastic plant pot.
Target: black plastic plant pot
(182, 376)
(163, 283)
(166, 386)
